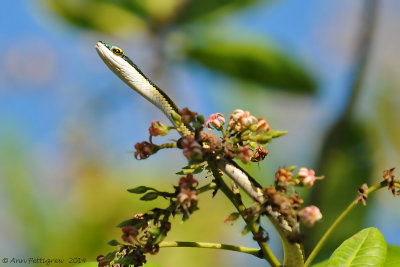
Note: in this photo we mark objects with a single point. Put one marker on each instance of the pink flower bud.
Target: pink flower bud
(157, 128)
(240, 120)
(310, 215)
(216, 120)
(308, 176)
(262, 126)
(188, 181)
(186, 197)
(191, 149)
(244, 154)
(237, 114)
(143, 150)
(187, 115)
(247, 119)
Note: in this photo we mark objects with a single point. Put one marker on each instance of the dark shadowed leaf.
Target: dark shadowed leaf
(113, 242)
(149, 196)
(254, 63)
(139, 190)
(366, 248)
(202, 9)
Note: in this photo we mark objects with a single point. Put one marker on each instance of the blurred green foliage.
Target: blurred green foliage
(346, 165)
(253, 64)
(80, 224)
(251, 60)
(76, 218)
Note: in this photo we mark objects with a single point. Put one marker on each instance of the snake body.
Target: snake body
(126, 70)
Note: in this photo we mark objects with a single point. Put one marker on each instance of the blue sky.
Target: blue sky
(74, 88)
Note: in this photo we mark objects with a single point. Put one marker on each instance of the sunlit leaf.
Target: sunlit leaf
(366, 248)
(393, 256)
(321, 263)
(254, 63)
(97, 15)
(206, 9)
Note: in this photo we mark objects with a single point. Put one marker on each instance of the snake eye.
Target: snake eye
(117, 51)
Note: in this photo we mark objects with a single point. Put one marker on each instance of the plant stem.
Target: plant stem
(167, 145)
(207, 187)
(266, 251)
(252, 251)
(321, 242)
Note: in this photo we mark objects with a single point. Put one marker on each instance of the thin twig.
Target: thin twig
(322, 241)
(207, 187)
(266, 251)
(252, 251)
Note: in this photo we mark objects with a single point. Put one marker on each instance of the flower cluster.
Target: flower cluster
(305, 177)
(388, 176)
(289, 205)
(216, 121)
(243, 137)
(187, 197)
(142, 234)
(144, 150)
(157, 129)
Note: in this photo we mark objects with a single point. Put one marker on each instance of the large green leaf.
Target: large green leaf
(98, 15)
(392, 257)
(205, 9)
(321, 263)
(366, 248)
(254, 63)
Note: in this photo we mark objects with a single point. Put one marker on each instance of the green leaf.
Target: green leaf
(160, 237)
(149, 196)
(153, 231)
(185, 172)
(139, 190)
(393, 256)
(113, 242)
(209, 9)
(255, 63)
(366, 248)
(232, 217)
(245, 230)
(129, 222)
(321, 263)
(97, 15)
(275, 134)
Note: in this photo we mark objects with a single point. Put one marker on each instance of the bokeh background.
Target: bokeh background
(326, 71)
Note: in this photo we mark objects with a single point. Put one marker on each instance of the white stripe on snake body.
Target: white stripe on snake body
(136, 80)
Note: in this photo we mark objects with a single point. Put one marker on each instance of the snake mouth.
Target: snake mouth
(101, 43)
